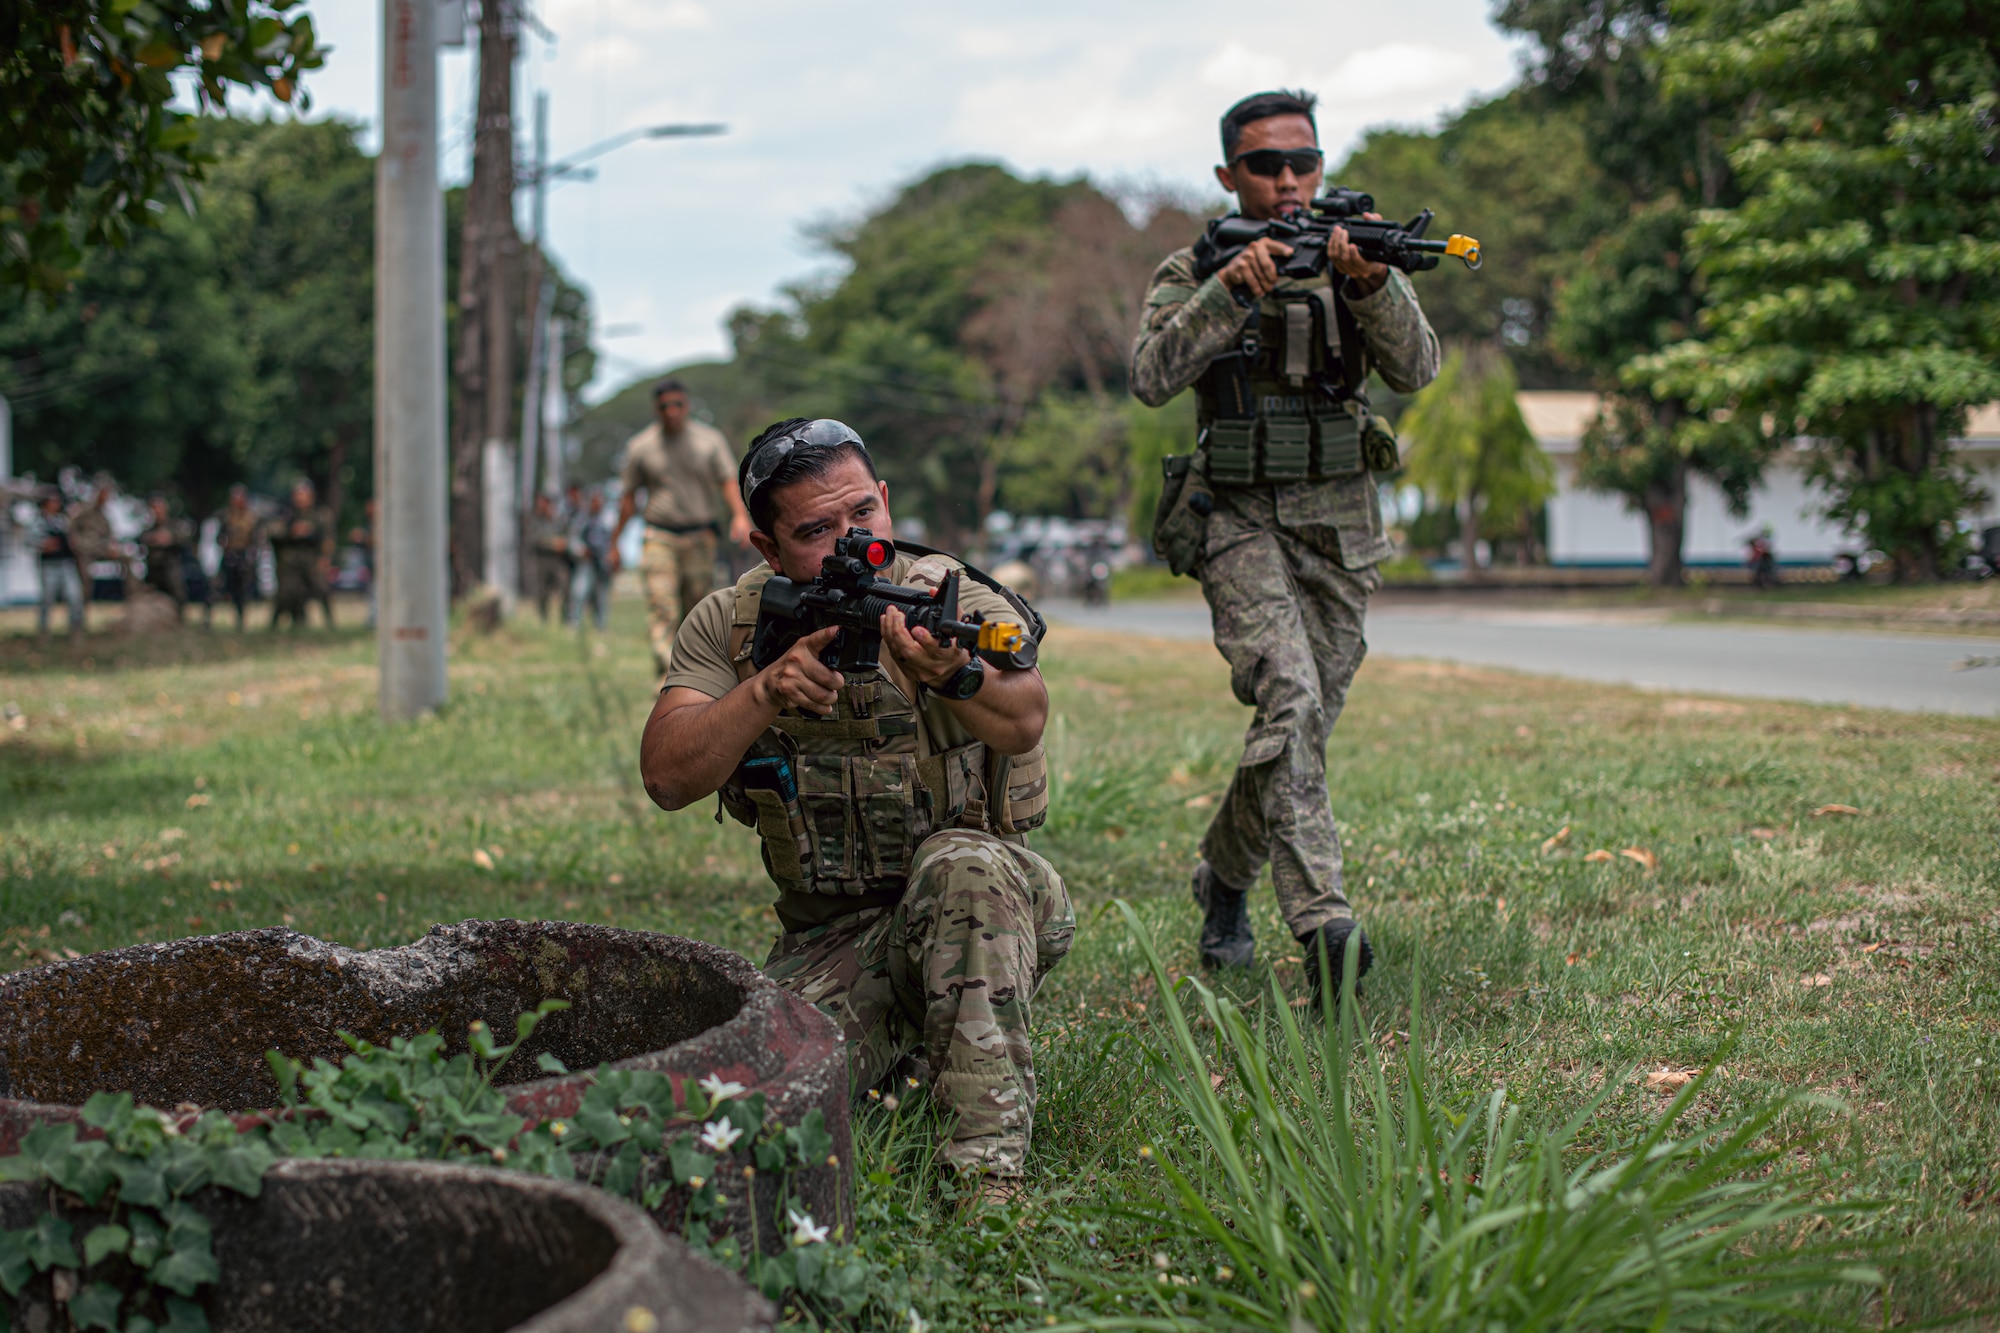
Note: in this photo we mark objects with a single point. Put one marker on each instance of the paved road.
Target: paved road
(1903, 671)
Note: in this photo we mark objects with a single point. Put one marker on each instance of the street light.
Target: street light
(539, 176)
(537, 401)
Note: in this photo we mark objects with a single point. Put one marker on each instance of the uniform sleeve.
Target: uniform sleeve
(1186, 325)
(631, 477)
(701, 647)
(722, 460)
(1400, 340)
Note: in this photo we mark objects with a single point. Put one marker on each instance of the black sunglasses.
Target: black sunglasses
(1273, 161)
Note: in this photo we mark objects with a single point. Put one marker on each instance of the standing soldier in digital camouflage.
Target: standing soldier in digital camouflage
(1277, 514)
(893, 804)
(301, 544)
(240, 533)
(168, 541)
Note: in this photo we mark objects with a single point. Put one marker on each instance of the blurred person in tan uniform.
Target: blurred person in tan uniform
(681, 466)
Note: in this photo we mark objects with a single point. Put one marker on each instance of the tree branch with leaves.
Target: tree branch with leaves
(93, 148)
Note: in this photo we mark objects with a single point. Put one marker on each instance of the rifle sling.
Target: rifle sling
(1036, 627)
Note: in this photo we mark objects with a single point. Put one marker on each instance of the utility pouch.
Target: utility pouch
(1339, 444)
(1019, 787)
(1287, 448)
(773, 790)
(1378, 446)
(1232, 450)
(1180, 523)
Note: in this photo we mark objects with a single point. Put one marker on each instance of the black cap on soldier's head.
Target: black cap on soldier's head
(798, 449)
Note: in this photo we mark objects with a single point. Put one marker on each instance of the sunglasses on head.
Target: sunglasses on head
(1273, 161)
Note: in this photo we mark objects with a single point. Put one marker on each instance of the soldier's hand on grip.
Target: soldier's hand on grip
(1256, 268)
(799, 679)
(1346, 257)
(921, 654)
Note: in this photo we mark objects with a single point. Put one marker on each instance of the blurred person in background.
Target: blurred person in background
(302, 543)
(681, 466)
(168, 541)
(592, 545)
(240, 533)
(90, 534)
(549, 538)
(61, 580)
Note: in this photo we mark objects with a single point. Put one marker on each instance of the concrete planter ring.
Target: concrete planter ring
(186, 1025)
(344, 1245)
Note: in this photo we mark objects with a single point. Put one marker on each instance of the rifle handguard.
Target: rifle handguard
(1465, 248)
(999, 636)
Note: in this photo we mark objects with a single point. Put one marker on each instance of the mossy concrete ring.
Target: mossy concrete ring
(186, 1025)
(340, 1245)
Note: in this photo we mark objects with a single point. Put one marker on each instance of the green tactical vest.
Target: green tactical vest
(1288, 403)
(869, 781)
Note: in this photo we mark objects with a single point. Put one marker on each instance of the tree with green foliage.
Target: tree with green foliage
(291, 209)
(1854, 294)
(232, 344)
(1633, 295)
(966, 302)
(92, 150)
(1630, 292)
(1517, 174)
(1470, 449)
(133, 369)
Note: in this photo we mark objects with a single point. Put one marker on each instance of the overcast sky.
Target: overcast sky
(831, 105)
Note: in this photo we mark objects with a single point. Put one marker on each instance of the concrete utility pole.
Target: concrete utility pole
(483, 428)
(552, 408)
(540, 289)
(409, 369)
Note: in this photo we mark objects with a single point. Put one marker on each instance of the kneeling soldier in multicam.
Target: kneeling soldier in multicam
(892, 804)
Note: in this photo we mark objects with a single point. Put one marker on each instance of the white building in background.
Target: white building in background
(1595, 528)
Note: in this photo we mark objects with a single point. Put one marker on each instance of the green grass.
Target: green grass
(1135, 581)
(1545, 973)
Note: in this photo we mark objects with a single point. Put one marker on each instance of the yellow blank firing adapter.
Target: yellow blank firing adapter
(1466, 248)
(1000, 636)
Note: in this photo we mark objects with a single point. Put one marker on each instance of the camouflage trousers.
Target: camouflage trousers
(951, 969)
(679, 570)
(1288, 619)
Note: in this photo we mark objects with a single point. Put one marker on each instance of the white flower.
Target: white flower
(803, 1230)
(718, 1135)
(721, 1090)
(917, 1324)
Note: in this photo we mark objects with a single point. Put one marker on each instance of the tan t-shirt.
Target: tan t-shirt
(680, 475)
(701, 647)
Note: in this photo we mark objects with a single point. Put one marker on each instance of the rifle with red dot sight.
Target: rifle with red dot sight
(848, 593)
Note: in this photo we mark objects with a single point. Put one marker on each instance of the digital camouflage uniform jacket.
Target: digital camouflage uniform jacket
(1190, 322)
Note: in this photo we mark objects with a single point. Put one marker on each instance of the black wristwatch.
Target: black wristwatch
(963, 683)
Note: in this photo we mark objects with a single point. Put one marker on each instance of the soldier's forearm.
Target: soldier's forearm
(1009, 712)
(692, 743)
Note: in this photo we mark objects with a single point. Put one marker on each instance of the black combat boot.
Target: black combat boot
(1334, 935)
(1226, 937)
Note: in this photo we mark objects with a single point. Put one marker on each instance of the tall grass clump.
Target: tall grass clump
(1322, 1186)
